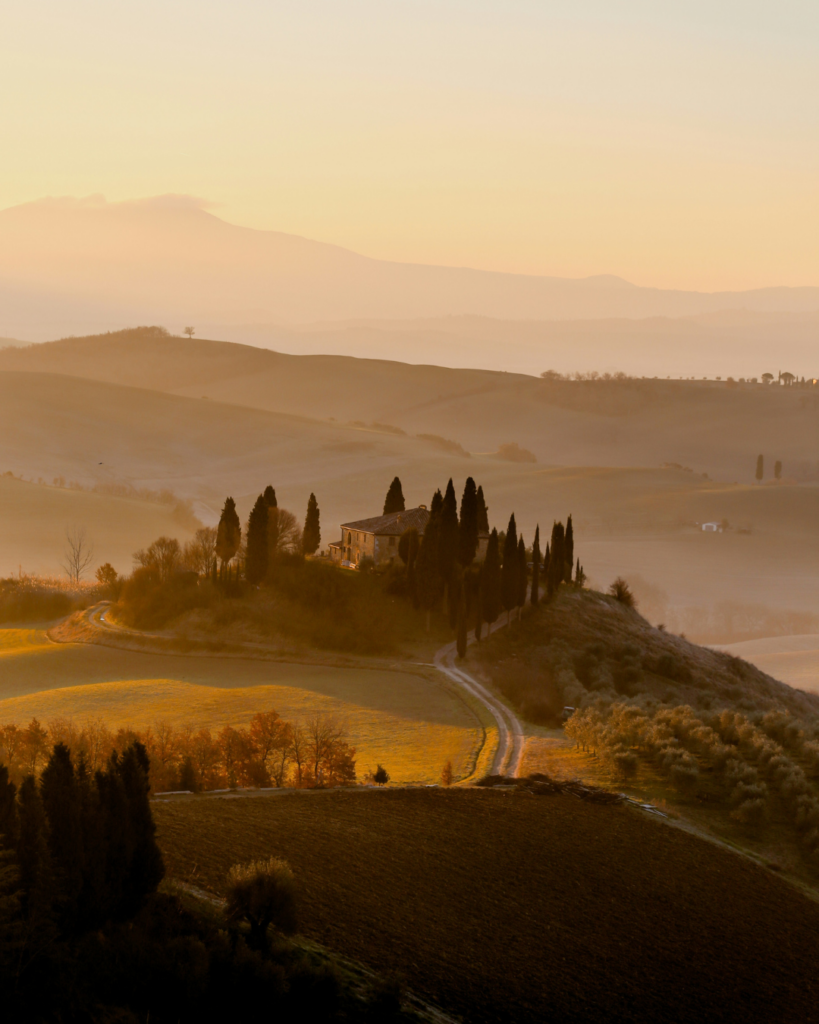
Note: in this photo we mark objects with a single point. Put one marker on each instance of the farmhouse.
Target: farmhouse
(377, 538)
(712, 527)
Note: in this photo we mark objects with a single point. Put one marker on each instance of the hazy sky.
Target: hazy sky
(673, 142)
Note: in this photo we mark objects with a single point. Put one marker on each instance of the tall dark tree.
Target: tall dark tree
(408, 544)
(556, 558)
(509, 570)
(269, 496)
(394, 501)
(257, 552)
(535, 592)
(523, 575)
(760, 467)
(547, 567)
(146, 868)
(8, 809)
(60, 795)
(428, 581)
(311, 538)
(228, 533)
(448, 543)
(460, 633)
(468, 525)
(491, 581)
(32, 853)
(483, 512)
(568, 551)
(437, 504)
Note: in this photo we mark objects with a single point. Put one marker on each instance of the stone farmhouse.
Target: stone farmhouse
(377, 538)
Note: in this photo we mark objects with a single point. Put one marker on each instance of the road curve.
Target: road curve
(510, 731)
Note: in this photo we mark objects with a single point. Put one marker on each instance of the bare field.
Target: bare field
(408, 722)
(515, 907)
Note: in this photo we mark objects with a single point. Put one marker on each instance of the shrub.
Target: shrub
(446, 774)
(263, 893)
(621, 592)
(381, 776)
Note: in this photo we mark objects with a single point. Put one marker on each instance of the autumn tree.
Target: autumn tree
(311, 535)
(394, 501)
(263, 893)
(162, 557)
(256, 556)
(199, 554)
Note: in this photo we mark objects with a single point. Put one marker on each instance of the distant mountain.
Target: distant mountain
(71, 265)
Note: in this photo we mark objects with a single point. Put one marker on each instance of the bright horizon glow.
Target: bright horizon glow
(674, 147)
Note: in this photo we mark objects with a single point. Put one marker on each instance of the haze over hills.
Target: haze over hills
(80, 265)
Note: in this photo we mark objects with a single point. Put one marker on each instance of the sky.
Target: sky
(675, 144)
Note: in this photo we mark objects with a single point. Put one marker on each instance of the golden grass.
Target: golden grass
(409, 722)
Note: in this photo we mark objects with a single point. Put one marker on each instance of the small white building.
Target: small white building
(712, 527)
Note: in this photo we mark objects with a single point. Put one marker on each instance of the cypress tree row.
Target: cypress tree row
(568, 551)
(468, 526)
(556, 558)
(228, 533)
(311, 538)
(523, 575)
(428, 582)
(509, 570)
(256, 557)
(491, 581)
(448, 541)
(394, 501)
(483, 512)
(535, 593)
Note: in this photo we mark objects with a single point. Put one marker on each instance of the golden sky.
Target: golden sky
(673, 143)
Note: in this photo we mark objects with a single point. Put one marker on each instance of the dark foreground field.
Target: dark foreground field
(513, 907)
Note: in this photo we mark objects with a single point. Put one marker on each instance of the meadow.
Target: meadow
(405, 719)
(505, 906)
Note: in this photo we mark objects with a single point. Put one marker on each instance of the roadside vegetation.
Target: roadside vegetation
(40, 599)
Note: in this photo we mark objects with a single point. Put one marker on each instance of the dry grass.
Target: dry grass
(514, 907)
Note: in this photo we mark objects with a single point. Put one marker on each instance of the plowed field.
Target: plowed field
(511, 907)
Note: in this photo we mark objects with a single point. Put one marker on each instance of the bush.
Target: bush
(381, 776)
(621, 592)
(263, 893)
(148, 602)
(29, 600)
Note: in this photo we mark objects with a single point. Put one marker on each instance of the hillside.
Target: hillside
(510, 907)
(81, 263)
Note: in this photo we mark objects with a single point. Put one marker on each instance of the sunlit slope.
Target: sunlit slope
(35, 519)
(711, 428)
(793, 659)
(402, 720)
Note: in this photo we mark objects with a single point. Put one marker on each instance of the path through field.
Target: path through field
(510, 731)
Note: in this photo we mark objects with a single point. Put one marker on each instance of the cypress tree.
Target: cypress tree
(269, 496)
(568, 550)
(760, 467)
(460, 641)
(509, 570)
(117, 836)
(228, 533)
(448, 544)
(8, 809)
(256, 557)
(556, 558)
(311, 538)
(146, 868)
(394, 501)
(491, 581)
(483, 512)
(468, 525)
(32, 853)
(60, 796)
(535, 594)
(437, 504)
(408, 546)
(523, 575)
(428, 583)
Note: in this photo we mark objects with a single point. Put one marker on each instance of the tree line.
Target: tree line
(269, 752)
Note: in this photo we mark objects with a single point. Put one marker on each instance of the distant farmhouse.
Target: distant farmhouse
(377, 538)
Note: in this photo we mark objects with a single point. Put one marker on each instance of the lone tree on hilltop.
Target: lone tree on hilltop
(263, 893)
(394, 501)
(483, 512)
(468, 525)
(621, 591)
(256, 558)
(189, 331)
(760, 467)
(509, 570)
(311, 536)
(535, 594)
(228, 533)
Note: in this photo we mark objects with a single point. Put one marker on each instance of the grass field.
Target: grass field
(407, 721)
(793, 659)
(509, 907)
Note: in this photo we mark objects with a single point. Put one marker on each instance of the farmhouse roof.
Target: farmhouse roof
(393, 524)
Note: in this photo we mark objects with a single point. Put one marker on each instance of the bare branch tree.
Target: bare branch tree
(189, 331)
(78, 553)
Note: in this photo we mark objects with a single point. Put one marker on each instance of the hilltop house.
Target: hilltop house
(377, 538)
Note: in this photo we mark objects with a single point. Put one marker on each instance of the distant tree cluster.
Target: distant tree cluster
(270, 752)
